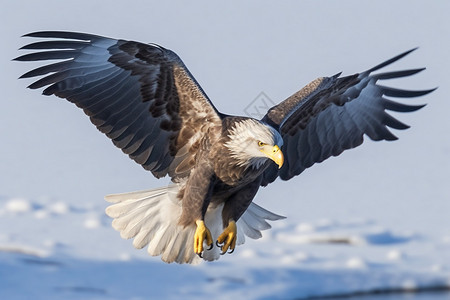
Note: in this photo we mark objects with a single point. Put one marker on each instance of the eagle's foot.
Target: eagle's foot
(202, 233)
(227, 240)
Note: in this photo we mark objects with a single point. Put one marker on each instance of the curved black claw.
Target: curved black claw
(200, 255)
(218, 245)
(222, 253)
(232, 250)
(211, 246)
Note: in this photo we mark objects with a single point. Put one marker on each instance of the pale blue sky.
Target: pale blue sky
(235, 50)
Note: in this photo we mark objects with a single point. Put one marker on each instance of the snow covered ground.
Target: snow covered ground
(52, 250)
(377, 218)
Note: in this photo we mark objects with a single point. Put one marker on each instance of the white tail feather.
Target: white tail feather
(151, 218)
(253, 221)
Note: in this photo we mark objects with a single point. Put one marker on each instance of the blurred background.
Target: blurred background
(392, 198)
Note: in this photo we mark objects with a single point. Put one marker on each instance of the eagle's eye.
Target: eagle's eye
(260, 144)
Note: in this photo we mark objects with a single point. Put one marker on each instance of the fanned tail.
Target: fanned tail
(253, 221)
(151, 218)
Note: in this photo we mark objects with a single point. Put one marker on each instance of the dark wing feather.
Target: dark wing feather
(333, 114)
(139, 95)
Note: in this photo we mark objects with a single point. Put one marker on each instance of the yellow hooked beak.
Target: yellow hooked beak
(274, 153)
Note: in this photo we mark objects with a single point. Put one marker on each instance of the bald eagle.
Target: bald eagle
(146, 101)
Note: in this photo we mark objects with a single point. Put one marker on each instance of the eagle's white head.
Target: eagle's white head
(252, 142)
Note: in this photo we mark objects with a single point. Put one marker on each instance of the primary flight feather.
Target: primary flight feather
(146, 101)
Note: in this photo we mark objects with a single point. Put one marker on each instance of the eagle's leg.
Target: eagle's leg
(227, 240)
(202, 233)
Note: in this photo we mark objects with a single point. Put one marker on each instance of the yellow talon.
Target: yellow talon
(202, 233)
(228, 237)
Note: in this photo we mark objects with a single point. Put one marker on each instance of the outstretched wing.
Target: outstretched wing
(140, 95)
(331, 114)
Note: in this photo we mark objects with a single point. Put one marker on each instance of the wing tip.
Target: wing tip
(392, 60)
(63, 35)
(43, 33)
(411, 50)
(397, 74)
(432, 89)
(20, 58)
(38, 34)
(400, 93)
(400, 107)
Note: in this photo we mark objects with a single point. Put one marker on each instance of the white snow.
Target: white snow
(394, 255)
(356, 263)
(17, 206)
(374, 219)
(60, 208)
(91, 222)
(78, 255)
